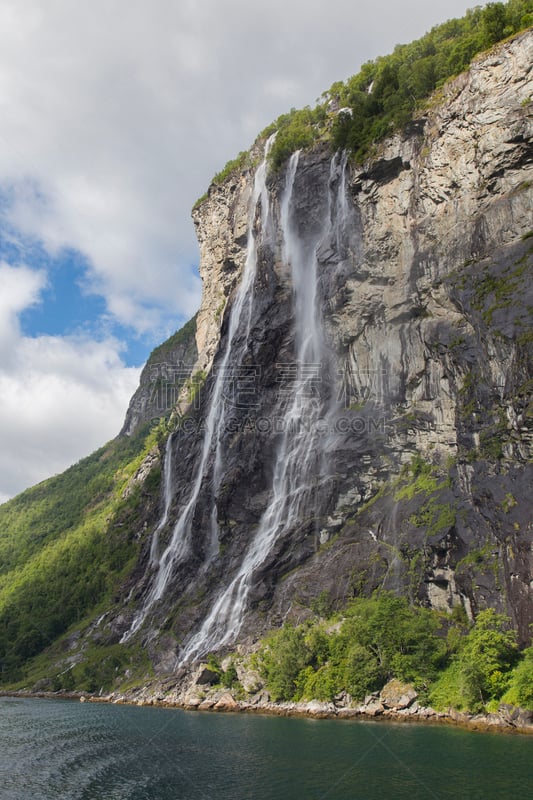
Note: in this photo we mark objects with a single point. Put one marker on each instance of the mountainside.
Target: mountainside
(365, 419)
(67, 543)
(164, 374)
(353, 414)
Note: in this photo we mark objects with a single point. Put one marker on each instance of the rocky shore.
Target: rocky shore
(397, 702)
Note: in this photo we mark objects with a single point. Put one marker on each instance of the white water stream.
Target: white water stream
(299, 449)
(179, 546)
(167, 499)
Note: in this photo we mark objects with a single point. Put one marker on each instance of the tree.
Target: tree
(494, 22)
(520, 691)
(486, 657)
(280, 661)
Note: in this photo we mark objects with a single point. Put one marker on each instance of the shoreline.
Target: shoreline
(500, 722)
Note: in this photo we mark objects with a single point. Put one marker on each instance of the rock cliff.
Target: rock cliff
(164, 374)
(366, 417)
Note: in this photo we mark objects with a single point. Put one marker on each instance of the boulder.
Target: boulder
(226, 703)
(397, 695)
(206, 676)
(317, 709)
(373, 709)
(515, 716)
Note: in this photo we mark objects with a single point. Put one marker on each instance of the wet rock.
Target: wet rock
(373, 709)
(318, 709)
(261, 698)
(343, 700)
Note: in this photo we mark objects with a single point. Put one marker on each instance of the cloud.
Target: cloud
(114, 117)
(60, 397)
(20, 288)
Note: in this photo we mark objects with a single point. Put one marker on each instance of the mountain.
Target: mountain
(349, 411)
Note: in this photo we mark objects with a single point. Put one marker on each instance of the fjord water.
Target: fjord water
(59, 750)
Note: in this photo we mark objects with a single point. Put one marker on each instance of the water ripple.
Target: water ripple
(54, 750)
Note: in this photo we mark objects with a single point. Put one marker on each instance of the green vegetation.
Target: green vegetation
(436, 517)
(227, 678)
(100, 669)
(238, 164)
(418, 477)
(186, 333)
(386, 93)
(234, 165)
(382, 637)
(39, 515)
(480, 669)
(492, 292)
(194, 386)
(295, 131)
(378, 638)
(485, 659)
(438, 512)
(197, 203)
(64, 546)
(520, 691)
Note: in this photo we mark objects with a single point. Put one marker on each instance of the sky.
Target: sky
(114, 116)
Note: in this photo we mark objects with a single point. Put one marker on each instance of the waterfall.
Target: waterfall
(167, 499)
(179, 546)
(339, 206)
(299, 449)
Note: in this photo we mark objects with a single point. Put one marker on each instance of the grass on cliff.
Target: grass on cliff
(449, 661)
(67, 543)
(64, 546)
(386, 93)
(182, 336)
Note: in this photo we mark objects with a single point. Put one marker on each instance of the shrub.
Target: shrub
(380, 638)
(282, 657)
(520, 691)
(484, 660)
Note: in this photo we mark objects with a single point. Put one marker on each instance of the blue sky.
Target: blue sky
(113, 118)
(68, 306)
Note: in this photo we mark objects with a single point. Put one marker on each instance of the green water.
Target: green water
(62, 750)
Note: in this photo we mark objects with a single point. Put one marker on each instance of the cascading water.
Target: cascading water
(180, 542)
(167, 499)
(339, 206)
(299, 449)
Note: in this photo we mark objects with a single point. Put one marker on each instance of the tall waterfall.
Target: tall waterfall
(300, 447)
(179, 546)
(167, 499)
(339, 209)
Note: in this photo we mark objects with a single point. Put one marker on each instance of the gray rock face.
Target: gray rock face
(419, 480)
(165, 372)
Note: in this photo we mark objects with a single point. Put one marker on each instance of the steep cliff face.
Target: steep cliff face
(366, 419)
(169, 367)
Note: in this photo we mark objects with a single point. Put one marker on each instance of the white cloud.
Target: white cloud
(113, 118)
(20, 288)
(60, 398)
(119, 113)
